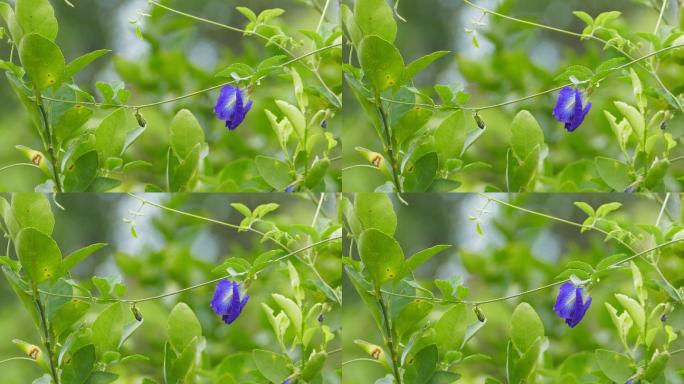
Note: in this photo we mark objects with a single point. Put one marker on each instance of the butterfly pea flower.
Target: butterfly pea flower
(572, 303)
(570, 108)
(232, 106)
(227, 302)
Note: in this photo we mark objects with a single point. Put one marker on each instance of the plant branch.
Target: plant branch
(390, 336)
(389, 145)
(46, 335)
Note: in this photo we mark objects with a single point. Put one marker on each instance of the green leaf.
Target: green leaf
(450, 137)
(375, 210)
(100, 377)
(420, 367)
(375, 17)
(273, 366)
(411, 315)
(110, 135)
(450, 329)
(292, 310)
(584, 17)
(30, 210)
(43, 61)
(613, 173)
(10, 18)
(77, 369)
(185, 171)
(525, 365)
(183, 327)
(39, 255)
(68, 314)
(275, 172)
(108, 329)
(525, 174)
(78, 256)
(419, 176)
(381, 62)
(635, 310)
(614, 365)
(248, 13)
(80, 63)
(422, 256)
(317, 173)
(295, 116)
(186, 133)
(526, 327)
(657, 365)
(182, 366)
(81, 173)
(381, 255)
(635, 118)
(526, 135)
(420, 64)
(37, 16)
(314, 365)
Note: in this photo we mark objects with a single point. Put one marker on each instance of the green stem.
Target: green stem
(16, 358)
(46, 336)
(390, 336)
(389, 145)
(18, 165)
(50, 144)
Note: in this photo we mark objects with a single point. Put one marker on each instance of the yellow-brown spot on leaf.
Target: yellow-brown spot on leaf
(376, 353)
(376, 161)
(34, 353)
(37, 159)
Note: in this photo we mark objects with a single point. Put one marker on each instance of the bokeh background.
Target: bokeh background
(170, 252)
(516, 252)
(514, 61)
(178, 56)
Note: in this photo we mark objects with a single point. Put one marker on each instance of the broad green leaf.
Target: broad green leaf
(316, 174)
(411, 315)
(526, 135)
(657, 365)
(526, 327)
(375, 17)
(525, 365)
(182, 366)
(450, 137)
(31, 210)
(525, 174)
(614, 365)
(78, 367)
(37, 16)
(275, 172)
(183, 327)
(108, 329)
(450, 329)
(80, 63)
(419, 176)
(422, 256)
(110, 135)
(68, 314)
(40, 256)
(375, 210)
(613, 173)
(295, 116)
(100, 377)
(185, 171)
(81, 173)
(78, 256)
(381, 62)
(7, 13)
(70, 123)
(410, 124)
(314, 365)
(275, 367)
(186, 133)
(444, 377)
(381, 255)
(43, 61)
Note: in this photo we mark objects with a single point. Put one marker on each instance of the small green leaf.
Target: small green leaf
(37, 16)
(110, 135)
(274, 366)
(526, 327)
(381, 62)
(30, 210)
(43, 61)
(450, 137)
(419, 176)
(635, 118)
(292, 310)
(635, 310)
(422, 256)
(183, 327)
(78, 256)
(186, 133)
(419, 368)
(450, 329)
(613, 173)
(420, 64)
(80, 63)
(275, 172)
(381, 255)
(108, 329)
(375, 210)
(78, 368)
(81, 173)
(39, 255)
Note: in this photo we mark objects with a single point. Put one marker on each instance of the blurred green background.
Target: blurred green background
(179, 56)
(171, 252)
(514, 61)
(517, 251)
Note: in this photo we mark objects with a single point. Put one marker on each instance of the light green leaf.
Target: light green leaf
(422, 256)
(526, 327)
(110, 135)
(375, 210)
(183, 327)
(635, 310)
(295, 116)
(292, 310)
(381, 255)
(419, 176)
(375, 17)
(526, 135)
(43, 61)
(186, 133)
(78, 256)
(275, 172)
(420, 64)
(274, 366)
(635, 118)
(614, 365)
(450, 329)
(80, 63)
(613, 173)
(31, 210)
(108, 328)
(381, 62)
(37, 16)
(450, 137)
(39, 255)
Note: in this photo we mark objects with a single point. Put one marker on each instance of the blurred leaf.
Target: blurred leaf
(42, 60)
(381, 255)
(274, 366)
(183, 327)
(526, 327)
(382, 63)
(375, 17)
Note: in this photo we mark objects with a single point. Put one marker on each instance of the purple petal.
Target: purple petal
(222, 297)
(565, 300)
(225, 105)
(565, 106)
(235, 308)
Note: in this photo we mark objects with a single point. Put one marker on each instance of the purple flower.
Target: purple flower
(232, 106)
(226, 301)
(569, 108)
(570, 304)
